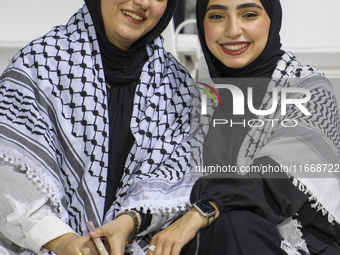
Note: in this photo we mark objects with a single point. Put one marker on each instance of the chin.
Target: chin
(235, 64)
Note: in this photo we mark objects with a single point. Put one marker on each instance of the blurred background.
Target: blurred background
(310, 29)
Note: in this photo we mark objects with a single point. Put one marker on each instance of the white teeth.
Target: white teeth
(132, 15)
(235, 47)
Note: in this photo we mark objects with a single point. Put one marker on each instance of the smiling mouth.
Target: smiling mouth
(235, 47)
(133, 16)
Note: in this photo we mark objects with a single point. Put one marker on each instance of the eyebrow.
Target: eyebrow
(248, 5)
(217, 7)
(241, 6)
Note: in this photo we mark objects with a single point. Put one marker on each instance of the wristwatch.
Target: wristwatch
(205, 209)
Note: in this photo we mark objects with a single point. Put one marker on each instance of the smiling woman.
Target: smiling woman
(95, 127)
(125, 22)
(268, 188)
(236, 33)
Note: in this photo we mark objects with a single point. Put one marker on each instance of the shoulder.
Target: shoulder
(78, 28)
(289, 66)
(59, 40)
(297, 75)
(62, 52)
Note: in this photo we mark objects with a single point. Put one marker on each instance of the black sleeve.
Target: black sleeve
(273, 197)
(146, 219)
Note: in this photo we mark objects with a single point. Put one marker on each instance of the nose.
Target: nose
(233, 28)
(144, 4)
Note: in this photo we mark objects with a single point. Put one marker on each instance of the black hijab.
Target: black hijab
(223, 142)
(122, 69)
(264, 64)
(122, 66)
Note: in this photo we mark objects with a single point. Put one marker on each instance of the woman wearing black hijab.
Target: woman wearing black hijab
(96, 115)
(281, 211)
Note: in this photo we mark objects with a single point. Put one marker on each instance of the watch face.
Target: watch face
(205, 206)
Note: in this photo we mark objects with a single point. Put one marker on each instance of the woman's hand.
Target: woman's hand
(171, 240)
(116, 232)
(72, 244)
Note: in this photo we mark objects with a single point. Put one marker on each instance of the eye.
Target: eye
(216, 16)
(250, 15)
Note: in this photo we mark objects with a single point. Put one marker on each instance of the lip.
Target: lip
(235, 52)
(137, 13)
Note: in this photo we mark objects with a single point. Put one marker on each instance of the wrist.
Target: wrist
(133, 221)
(56, 243)
(198, 218)
(207, 210)
(216, 208)
(127, 222)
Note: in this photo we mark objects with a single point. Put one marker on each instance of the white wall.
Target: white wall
(24, 20)
(310, 29)
(311, 23)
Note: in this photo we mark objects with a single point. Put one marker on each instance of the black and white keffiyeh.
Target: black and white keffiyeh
(54, 127)
(320, 130)
(309, 151)
(313, 144)
(304, 146)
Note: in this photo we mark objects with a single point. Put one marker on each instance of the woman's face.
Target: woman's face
(236, 31)
(126, 21)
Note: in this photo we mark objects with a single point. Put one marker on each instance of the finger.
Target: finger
(152, 245)
(101, 231)
(151, 249)
(176, 249)
(96, 238)
(97, 233)
(87, 251)
(170, 247)
(84, 245)
(159, 245)
(108, 245)
(166, 249)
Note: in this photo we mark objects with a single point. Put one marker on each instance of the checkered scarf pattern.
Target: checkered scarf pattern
(54, 127)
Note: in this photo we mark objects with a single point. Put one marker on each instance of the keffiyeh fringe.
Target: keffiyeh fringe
(38, 179)
(314, 203)
(54, 99)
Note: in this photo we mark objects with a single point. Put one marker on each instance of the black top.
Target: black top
(122, 70)
(275, 198)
